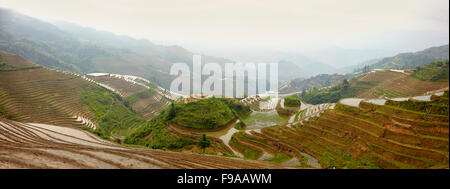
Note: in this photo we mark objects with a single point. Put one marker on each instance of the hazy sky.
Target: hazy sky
(211, 26)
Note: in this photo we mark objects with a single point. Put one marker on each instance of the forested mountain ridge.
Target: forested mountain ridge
(412, 60)
(84, 50)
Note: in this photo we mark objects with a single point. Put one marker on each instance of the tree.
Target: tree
(345, 84)
(204, 143)
(366, 69)
(172, 112)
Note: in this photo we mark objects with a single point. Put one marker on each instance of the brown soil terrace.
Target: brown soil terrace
(47, 146)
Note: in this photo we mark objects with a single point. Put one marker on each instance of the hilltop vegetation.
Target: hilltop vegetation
(203, 114)
(155, 135)
(112, 116)
(207, 113)
(437, 106)
(434, 71)
(292, 101)
(332, 94)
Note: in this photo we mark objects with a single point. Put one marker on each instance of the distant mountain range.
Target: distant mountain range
(411, 60)
(74, 48)
(289, 70)
(384, 83)
(300, 84)
(84, 50)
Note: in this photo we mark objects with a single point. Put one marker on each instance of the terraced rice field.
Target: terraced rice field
(41, 95)
(48, 146)
(366, 135)
(268, 103)
(124, 87)
(147, 106)
(374, 84)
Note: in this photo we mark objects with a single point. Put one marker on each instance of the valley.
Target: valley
(73, 97)
(397, 119)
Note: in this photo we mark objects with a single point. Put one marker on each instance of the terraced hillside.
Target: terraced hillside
(180, 126)
(47, 146)
(39, 95)
(375, 84)
(31, 93)
(399, 134)
(144, 97)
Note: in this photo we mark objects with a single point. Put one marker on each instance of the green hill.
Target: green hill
(203, 114)
(434, 71)
(407, 135)
(383, 84)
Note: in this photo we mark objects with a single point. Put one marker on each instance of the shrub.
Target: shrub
(240, 125)
(204, 143)
(203, 114)
(111, 113)
(291, 101)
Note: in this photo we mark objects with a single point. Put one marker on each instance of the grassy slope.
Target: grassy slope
(155, 133)
(112, 115)
(333, 94)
